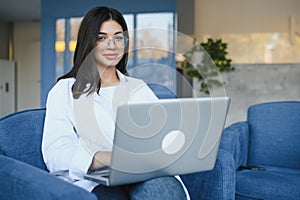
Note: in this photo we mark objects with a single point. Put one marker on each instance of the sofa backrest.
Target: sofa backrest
(274, 134)
(21, 136)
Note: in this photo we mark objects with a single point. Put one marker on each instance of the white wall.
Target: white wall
(251, 84)
(244, 16)
(258, 83)
(27, 57)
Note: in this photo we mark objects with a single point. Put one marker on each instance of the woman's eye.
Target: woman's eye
(119, 38)
(101, 38)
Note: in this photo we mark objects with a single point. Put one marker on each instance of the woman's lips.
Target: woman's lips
(110, 56)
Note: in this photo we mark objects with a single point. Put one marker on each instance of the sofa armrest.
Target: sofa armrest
(217, 184)
(235, 140)
(23, 181)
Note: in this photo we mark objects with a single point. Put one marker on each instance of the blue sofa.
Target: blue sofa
(23, 174)
(261, 156)
(269, 138)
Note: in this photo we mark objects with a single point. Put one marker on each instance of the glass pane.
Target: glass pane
(129, 18)
(155, 62)
(60, 46)
(74, 27)
(153, 32)
(129, 21)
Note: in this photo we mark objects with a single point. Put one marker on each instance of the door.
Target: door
(7, 87)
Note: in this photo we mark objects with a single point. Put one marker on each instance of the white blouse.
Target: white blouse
(63, 151)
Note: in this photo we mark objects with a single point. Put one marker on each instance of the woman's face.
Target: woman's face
(110, 44)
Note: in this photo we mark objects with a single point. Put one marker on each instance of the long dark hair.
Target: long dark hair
(83, 55)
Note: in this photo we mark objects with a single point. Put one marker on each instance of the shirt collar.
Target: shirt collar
(121, 76)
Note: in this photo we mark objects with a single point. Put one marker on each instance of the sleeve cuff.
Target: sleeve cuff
(81, 161)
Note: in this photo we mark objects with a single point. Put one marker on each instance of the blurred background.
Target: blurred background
(38, 38)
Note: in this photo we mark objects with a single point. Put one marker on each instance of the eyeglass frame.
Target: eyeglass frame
(106, 41)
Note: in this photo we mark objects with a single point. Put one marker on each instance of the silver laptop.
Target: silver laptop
(164, 138)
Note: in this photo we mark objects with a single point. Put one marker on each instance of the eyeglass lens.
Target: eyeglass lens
(118, 41)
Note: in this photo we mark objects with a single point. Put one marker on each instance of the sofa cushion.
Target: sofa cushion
(274, 134)
(216, 184)
(22, 181)
(21, 136)
(273, 184)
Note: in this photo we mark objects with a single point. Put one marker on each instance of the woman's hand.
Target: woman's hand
(100, 159)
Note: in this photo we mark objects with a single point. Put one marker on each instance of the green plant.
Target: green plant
(213, 61)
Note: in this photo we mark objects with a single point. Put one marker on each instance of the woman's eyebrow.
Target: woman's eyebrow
(103, 33)
(116, 33)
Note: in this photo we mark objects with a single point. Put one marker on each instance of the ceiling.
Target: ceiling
(20, 10)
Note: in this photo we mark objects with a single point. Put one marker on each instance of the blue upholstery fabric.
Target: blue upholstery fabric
(276, 126)
(23, 173)
(21, 136)
(210, 185)
(273, 184)
(235, 140)
(271, 138)
(240, 197)
(19, 180)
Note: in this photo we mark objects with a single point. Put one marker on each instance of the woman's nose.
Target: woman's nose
(111, 43)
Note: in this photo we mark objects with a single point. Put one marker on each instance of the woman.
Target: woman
(99, 66)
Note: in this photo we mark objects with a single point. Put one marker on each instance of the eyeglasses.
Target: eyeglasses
(119, 41)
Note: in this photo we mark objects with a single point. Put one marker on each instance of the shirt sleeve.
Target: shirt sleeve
(61, 147)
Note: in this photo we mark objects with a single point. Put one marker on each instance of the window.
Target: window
(153, 58)
(66, 36)
(151, 49)
(60, 46)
